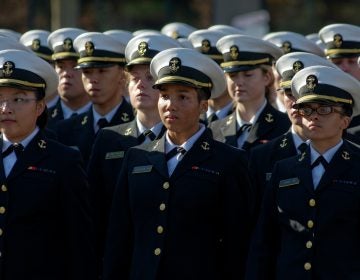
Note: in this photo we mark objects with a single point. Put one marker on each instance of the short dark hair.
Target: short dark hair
(42, 120)
(203, 93)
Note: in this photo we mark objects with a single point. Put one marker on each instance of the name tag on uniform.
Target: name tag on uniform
(114, 155)
(289, 182)
(142, 169)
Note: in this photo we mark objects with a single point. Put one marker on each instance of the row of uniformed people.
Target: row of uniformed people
(175, 64)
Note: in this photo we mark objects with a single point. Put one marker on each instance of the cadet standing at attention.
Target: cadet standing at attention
(45, 226)
(309, 222)
(74, 99)
(111, 143)
(102, 60)
(182, 206)
(247, 66)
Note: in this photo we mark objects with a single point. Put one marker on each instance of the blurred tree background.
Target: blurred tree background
(303, 16)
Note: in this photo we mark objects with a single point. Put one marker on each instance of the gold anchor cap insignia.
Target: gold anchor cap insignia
(311, 82)
(174, 64)
(89, 48)
(35, 45)
(143, 48)
(286, 47)
(8, 68)
(205, 146)
(42, 144)
(205, 46)
(84, 121)
(345, 155)
(54, 113)
(283, 143)
(128, 131)
(338, 40)
(67, 45)
(234, 52)
(125, 117)
(269, 118)
(297, 66)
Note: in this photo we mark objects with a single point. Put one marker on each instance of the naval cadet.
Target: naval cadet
(112, 142)
(73, 98)
(182, 206)
(247, 66)
(45, 226)
(101, 62)
(308, 226)
(263, 157)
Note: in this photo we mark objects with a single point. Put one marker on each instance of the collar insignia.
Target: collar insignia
(205, 146)
(84, 121)
(125, 117)
(302, 156)
(283, 143)
(128, 131)
(345, 155)
(42, 144)
(269, 118)
(54, 113)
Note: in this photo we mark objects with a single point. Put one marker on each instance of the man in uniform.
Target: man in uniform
(111, 143)
(102, 60)
(309, 222)
(73, 97)
(182, 206)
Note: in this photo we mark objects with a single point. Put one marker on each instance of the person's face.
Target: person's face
(247, 86)
(142, 95)
(19, 111)
(349, 65)
(180, 109)
(289, 101)
(104, 85)
(70, 83)
(324, 128)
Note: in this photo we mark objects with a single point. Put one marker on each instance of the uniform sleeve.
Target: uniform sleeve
(238, 217)
(265, 241)
(78, 227)
(119, 241)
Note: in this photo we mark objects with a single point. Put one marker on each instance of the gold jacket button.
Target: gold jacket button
(2, 210)
(4, 188)
(166, 185)
(157, 251)
(308, 244)
(310, 224)
(160, 229)
(162, 206)
(312, 202)
(1, 232)
(307, 266)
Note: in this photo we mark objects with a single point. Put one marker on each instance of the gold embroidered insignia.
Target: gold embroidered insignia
(42, 144)
(302, 156)
(8, 68)
(269, 118)
(297, 66)
(35, 45)
(311, 82)
(205, 146)
(338, 40)
(143, 48)
(67, 45)
(84, 121)
(229, 121)
(286, 47)
(205, 46)
(345, 155)
(89, 48)
(234, 52)
(125, 117)
(156, 145)
(174, 64)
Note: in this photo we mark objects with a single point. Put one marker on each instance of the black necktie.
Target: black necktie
(146, 133)
(102, 123)
(212, 117)
(18, 148)
(319, 160)
(244, 127)
(174, 152)
(302, 147)
(73, 115)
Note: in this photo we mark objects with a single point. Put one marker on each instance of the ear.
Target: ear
(345, 123)
(40, 107)
(203, 106)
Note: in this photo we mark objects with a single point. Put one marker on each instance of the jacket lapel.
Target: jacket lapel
(200, 151)
(123, 114)
(228, 130)
(35, 151)
(156, 156)
(303, 170)
(338, 165)
(2, 172)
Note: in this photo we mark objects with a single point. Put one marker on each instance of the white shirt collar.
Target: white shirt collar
(253, 120)
(67, 111)
(108, 116)
(24, 142)
(222, 113)
(328, 155)
(156, 129)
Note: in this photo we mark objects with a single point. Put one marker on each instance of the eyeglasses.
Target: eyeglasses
(322, 110)
(16, 102)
